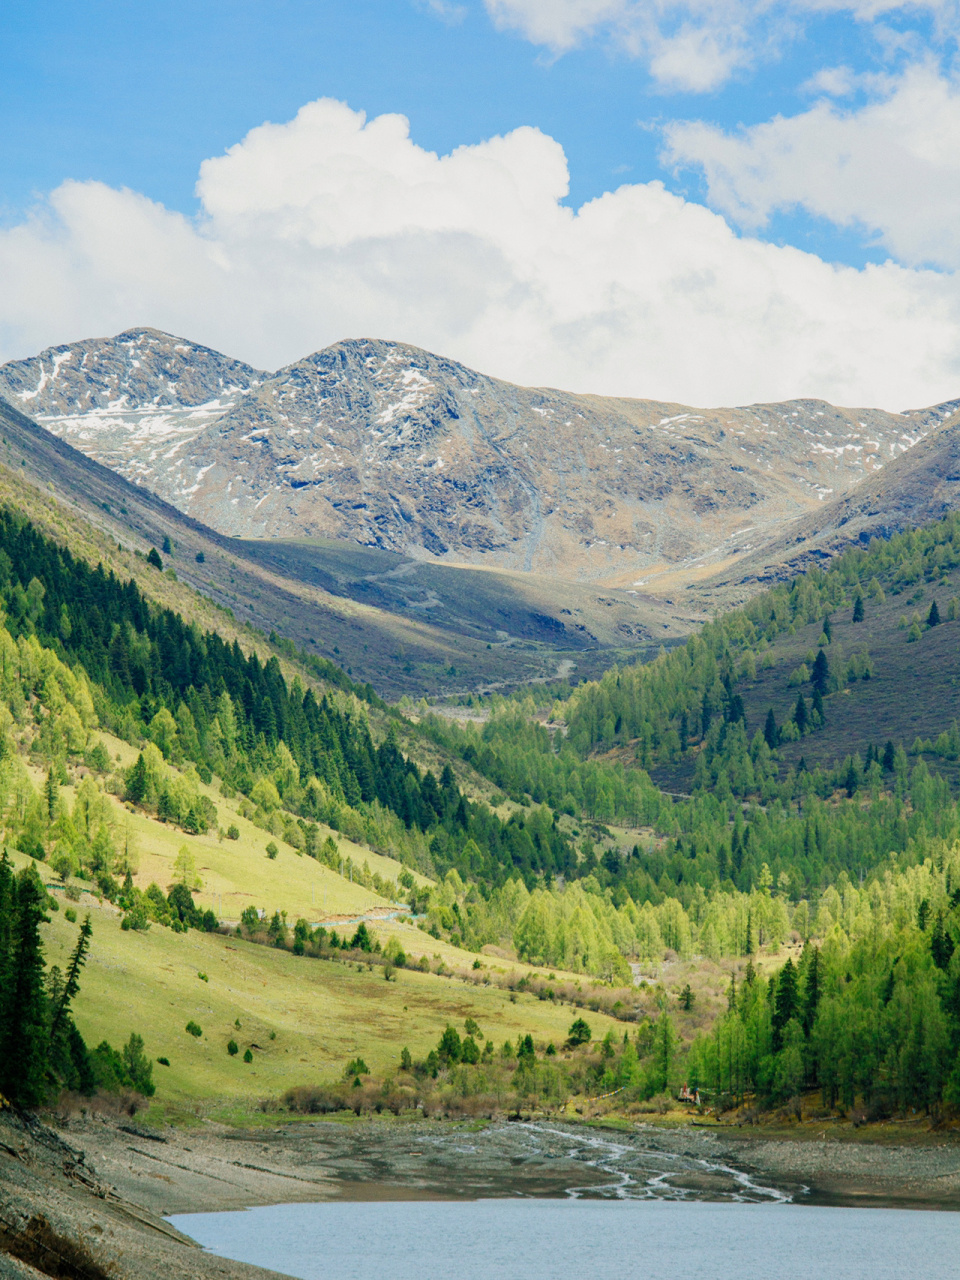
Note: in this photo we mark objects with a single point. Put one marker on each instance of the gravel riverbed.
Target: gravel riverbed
(103, 1187)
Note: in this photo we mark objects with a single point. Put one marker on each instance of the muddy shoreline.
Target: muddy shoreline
(107, 1186)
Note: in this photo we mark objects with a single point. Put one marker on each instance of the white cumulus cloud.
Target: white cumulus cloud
(891, 166)
(334, 226)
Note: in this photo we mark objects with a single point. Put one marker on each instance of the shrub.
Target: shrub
(71, 915)
(233, 832)
(579, 1033)
(194, 1028)
(311, 1101)
(138, 1065)
(272, 849)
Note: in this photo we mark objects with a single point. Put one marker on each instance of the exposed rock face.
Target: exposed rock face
(915, 488)
(131, 402)
(394, 447)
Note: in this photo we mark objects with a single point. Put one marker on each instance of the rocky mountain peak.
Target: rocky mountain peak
(136, 370)
(395, 447)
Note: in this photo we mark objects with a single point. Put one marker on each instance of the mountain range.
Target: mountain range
(392, 447)
(434, 529)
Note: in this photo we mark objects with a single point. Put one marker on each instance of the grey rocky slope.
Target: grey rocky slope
(392, 447)
(131, 402)
(913, 489)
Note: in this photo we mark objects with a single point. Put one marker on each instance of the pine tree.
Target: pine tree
(800, 717)
(811, 992)
(71, 984)
(706, 714)
(785, 1002)
(941, 944)
(852, 780)
(137, 781)
(24, 1036)
(820, 675)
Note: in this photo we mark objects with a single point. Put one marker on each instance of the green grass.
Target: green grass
(320, 1013)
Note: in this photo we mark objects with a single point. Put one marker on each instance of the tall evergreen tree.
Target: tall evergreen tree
(785, 1003)
(820, 675)
(811, 989)
(24, 1036)
(71, 984)
(800, 717)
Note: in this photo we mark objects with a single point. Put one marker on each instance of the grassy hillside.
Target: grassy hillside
(304, 1019)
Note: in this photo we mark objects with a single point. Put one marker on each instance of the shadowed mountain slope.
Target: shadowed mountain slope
(399, 449)
(404, 626)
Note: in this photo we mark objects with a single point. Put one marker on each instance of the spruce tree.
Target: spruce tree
(820, 676)
(941, 943)
(24, 1036)
(71, 983)
(785, 1002)
(771, 732)
(137, 781)
(811, 992)
(933, 617)
(800, 717)
(858, 609)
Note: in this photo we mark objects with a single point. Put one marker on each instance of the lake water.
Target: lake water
(582, 1239)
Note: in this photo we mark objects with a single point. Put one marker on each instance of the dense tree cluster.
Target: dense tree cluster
(201, 701)
(41, 1050)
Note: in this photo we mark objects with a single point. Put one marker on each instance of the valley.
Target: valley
(308, 825)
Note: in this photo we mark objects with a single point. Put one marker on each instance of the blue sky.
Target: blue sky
(787, 122)
(138, 95)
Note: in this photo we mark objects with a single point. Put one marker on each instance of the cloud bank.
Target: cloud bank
(333, 226)
(891, 166)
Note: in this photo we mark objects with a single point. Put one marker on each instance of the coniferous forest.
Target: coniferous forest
(738, 849)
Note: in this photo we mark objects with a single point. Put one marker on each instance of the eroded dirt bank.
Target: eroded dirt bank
(60, 1218)
(90, 1197)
